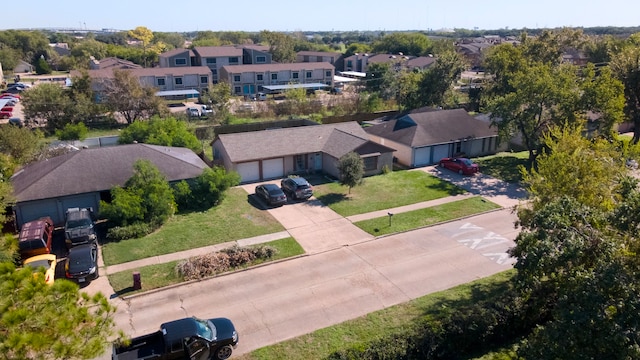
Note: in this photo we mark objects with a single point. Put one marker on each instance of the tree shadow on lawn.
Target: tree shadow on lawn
(444, 186)
(506, 168)
(333, 198)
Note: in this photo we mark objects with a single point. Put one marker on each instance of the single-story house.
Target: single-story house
(83, 178)
(23, 67)
(272, 154)
(425, 136)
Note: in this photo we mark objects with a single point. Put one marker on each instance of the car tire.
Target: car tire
(223, 353)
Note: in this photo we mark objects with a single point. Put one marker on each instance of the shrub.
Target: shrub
(199, 267)
(133, 231)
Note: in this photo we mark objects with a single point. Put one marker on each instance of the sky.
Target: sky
(324, 15)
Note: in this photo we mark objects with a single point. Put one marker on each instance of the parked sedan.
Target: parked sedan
(271, 194)
(460, 165)
(296, 188)
(46, 261)
(6, 114)
(82, 263)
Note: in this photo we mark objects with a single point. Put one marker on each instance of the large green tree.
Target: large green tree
(146, 197)
(157, 131)
(41, 321)
(415, 44)
(576, 252)
(144, 36)
(281, 46)
(626, 66)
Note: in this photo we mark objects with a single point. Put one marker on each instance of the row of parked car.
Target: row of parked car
(35, 246)
(295, 188)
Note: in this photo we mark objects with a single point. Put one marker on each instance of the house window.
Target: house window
(204, 79)
(214, 71)
(261, 59)
(370, 163)
(274, 76)
(349, 63)
(237, 89)
(458, 147)
(309, 74)
(211, 61)
(180, 61)
(161, 82)
(236, 78)
(327, 73)
(294, 75)
(259, 77)
(484, 144)
(233, 60)
(178, 81)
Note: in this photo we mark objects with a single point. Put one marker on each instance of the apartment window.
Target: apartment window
(370, 163)
(309, 74)
(214, 71)
(319, 59)
(233, 60)
(236, 78)
(237, 89)
(211, 61)
(178, 81)
(327, 73)
(294, 75)
(349, 63)
(180, 61)
(274, 76)
(259, 77)
(261, 59)
(204, 79)
(161, 82)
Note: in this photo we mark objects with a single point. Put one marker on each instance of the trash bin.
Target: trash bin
(137, 283)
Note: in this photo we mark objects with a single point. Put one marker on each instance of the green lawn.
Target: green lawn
(505, 165)
(384, 191)
(384, 323)
(161, 275)
(425, 217)
(235, 218)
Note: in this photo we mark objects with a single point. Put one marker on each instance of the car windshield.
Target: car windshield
(206, 329)
(467, 162)
(38, 263)
(78, 223)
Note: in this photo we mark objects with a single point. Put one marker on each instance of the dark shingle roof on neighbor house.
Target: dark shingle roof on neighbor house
(100, 169)
(333, 139)
(217, 51)
(432, 127)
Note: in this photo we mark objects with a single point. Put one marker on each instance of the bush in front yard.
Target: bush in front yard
(133, 231)
(199, 267)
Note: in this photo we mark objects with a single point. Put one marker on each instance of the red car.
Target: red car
(460, 165)
(6, 114)
(7, 108)
(8, 95)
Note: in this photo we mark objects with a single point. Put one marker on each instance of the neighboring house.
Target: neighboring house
(250, 79)
(271, 154)
(575, 57)
(61, 49)
(333, 58)
(23, 67)
(164, 79)
(473, 52)
(361, 62)
(177, 58)
(83, 178)
(423, 137)
(112, 62)
(256, 54)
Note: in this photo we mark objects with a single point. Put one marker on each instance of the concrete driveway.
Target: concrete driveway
(280, 301)
(314, 225)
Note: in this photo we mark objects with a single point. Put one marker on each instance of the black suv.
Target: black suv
(79, 227)
(297, 188)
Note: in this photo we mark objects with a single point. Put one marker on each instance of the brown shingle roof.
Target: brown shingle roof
(100, 169)
(234, 69)
(217, 51)
(432, 127)
(318, 53)
(266, 144)
(157, 71)
(176, 52)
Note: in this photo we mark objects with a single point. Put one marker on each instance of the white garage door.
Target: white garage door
(272, 168)
(249, 171)
(440, 151)
(422, 156)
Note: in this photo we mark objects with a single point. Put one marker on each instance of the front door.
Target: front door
(318, 162)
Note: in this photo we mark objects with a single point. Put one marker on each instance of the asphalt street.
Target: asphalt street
(280, 301)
